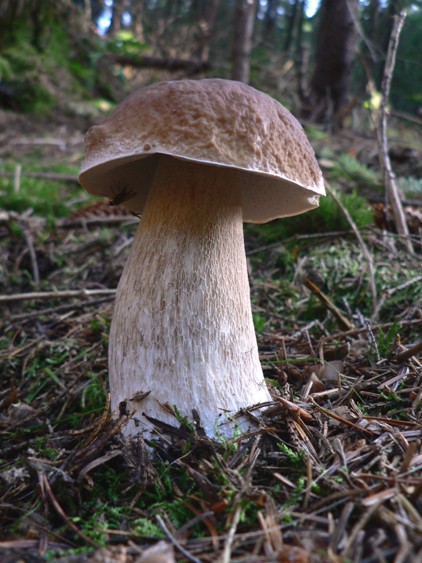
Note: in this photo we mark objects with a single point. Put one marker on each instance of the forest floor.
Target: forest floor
(334, 470)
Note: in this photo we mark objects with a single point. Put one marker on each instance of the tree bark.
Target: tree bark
(270, 18)
(137, 12)
(244, 19)
(336, 50)
(292, 22)
(116, 17)
(301, 56)
(205, 13)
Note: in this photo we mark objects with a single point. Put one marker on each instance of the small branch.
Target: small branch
(44, 482)
(389, 292)
(228, 545)
(174, 541)
(17, 175)
(25, 317)
(192, 65)
(363, 330)
(56, 294)
(407, 117)
(392, 193)
(81, 222)
(410, 352)
(365, 251)
(344, 323)
(33, 256)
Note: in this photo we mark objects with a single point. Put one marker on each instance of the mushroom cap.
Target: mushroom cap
(214, 122)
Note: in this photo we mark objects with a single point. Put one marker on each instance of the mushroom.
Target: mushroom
(197, 158)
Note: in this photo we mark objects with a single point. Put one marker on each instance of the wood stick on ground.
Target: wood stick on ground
(33, 256)
(52, 311)
(228, 544)
(392, 192)
(62, 514)
(344, 323)
(174, 541)
(55, 294)
(410, 352)
(365, 250)
(75, 223)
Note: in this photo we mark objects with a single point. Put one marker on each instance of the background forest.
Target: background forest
(334, 473)
(53, 53)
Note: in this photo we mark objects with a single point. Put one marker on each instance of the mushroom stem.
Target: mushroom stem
(182, 326)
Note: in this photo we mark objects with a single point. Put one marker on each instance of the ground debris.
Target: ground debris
(333, 471)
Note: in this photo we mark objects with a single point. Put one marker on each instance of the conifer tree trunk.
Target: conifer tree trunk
(205, 13)
(336, 50)
(116, 17)
(244, 19)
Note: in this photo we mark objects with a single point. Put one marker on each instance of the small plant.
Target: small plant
(144, 528)
(387, 339)
(295, 457)
(259, 322)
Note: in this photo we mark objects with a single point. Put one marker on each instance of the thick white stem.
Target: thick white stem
(182, 327)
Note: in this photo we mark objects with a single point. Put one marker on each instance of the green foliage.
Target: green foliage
(294, 457)
(352, 170)
(393, 275)
(183, 420)
(100, 328)
(259, 322)
(5, 69)
(411, 186)
(386, 340)
(315, 133)
(43, 196)
(125, 43)
(47, 198)
(108, 488)
(326, 218)
(144, 528)
(43, 67)
(96, 526)
(406, 88)
(43, 448)
(94, 394)
(25, 68)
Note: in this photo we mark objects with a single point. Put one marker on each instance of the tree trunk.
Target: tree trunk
(244, 19)
(270, 18)
(336, 50)
(137, 12)
(205, 12)
(116, 17)
(301, 55)
(292, 20)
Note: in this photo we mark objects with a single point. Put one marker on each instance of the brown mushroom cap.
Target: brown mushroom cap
(215, 122)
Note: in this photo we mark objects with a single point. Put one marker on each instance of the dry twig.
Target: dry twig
(365, 250)
(68, 294)
(392, 192)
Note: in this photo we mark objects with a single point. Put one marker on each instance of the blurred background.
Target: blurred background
(321, 58)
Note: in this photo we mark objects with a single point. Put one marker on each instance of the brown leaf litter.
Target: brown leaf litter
(333, 471)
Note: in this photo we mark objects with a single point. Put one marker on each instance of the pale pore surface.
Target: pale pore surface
(182, 326)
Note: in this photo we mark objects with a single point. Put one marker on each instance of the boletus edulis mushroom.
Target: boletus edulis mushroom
(196, 158)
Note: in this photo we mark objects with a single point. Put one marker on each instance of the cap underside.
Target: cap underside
(128, 180)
